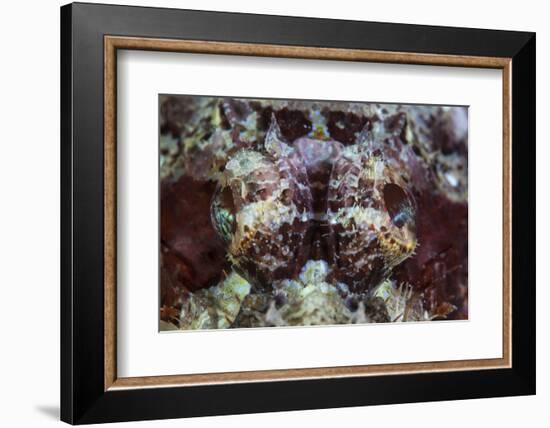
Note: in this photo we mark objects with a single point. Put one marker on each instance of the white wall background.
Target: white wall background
(29, 217)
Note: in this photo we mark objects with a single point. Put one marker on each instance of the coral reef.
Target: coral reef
(289, 213)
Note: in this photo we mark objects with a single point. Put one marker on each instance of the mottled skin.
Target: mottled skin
(290, 202)
(371, 216)
(265, 202)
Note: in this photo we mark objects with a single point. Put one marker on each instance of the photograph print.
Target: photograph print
(286, 212)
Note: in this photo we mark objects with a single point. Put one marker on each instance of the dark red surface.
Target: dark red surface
(192, 257)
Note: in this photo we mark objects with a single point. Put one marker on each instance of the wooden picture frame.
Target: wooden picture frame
(91, 390)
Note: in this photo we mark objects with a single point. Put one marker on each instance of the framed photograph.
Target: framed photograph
(265, 213)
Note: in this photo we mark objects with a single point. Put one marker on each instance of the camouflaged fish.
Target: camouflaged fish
(317, 208)
(310, 199)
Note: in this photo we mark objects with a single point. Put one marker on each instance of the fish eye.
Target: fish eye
(398, 204)
(400, 219)
(222, 213)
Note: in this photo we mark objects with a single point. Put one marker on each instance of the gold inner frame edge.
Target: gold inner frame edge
(113, 43)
